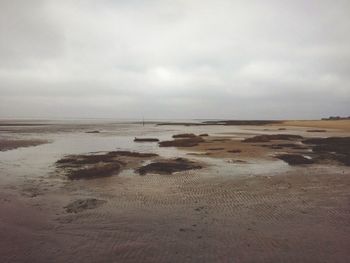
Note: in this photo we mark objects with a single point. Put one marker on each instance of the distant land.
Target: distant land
(332, 118)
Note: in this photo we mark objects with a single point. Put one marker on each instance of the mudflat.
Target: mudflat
(248, 193)
(10, 144)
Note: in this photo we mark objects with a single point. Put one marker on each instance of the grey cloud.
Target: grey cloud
(27, 34)
(174, 59)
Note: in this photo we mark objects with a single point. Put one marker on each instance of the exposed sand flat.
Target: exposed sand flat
(231, 147)
(291, 217)
(326, 124)
(243, 205)
(220, 147)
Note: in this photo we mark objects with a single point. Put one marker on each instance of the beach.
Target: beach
(88, 191)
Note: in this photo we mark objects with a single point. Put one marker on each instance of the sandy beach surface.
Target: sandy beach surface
(325, 124)
(73, 192)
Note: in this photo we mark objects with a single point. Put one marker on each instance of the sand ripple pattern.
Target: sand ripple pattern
(192, 217)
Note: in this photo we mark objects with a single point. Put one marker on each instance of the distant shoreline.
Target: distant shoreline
(343, 124)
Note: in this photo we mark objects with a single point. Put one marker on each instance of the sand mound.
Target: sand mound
(316, 130)
(216, 149)
(131, 154)
(89, 166)
(168, 166)
(96, 171)
(185, 135)
(234, 151)
(188, 142)
(146, 140)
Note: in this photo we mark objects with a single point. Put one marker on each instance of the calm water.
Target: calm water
(71, 138)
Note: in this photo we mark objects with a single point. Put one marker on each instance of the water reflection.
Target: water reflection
(68, 138)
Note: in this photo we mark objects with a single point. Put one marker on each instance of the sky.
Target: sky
(174, 59)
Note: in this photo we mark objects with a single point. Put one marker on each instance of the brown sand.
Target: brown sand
(293, 217)
(330, 124)
(301, 215)
(290, 148)
(218, 147)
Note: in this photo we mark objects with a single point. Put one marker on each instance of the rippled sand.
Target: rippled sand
(259, 210)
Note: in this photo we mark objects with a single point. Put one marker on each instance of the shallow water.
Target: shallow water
(71, 138)
(38, 161)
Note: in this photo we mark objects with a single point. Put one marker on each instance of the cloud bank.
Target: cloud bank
(174, 59)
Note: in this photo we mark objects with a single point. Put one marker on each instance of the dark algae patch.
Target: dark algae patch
(286, 145)
(131, 154)
(324, 150)
(96, 171)
(168, 166)
(185, 135)
(93, 132)
(282, 145)
(234, 151)
(90, 166)
(273, 137)
(330, 144)
(215, 149)
(146, 140)
(316, 130)
(294, 159)
(333, 148)
(186, 142)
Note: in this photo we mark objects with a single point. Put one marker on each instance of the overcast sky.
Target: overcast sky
(174, 59)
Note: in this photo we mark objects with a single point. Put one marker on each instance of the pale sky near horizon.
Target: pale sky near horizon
(273, 59)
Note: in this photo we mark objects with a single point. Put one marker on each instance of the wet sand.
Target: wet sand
(10, 144)
(257, 210)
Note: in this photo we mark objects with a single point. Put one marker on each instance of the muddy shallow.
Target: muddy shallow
(244, 205)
